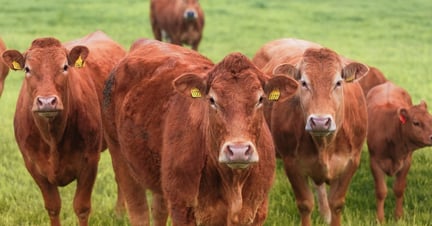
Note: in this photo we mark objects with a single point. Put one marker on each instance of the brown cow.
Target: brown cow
(320, 131)
(397, 128)
(278, 49)
(178, 122)
(4, 69)
(58, 125)
(178, 21)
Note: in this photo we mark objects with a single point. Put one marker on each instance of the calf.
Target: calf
(178, 21)
(193, 133)
(4, 69)
(397, 128)
(58, 125)
(320, 131)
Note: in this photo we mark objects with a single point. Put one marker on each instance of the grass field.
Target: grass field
(393, 35)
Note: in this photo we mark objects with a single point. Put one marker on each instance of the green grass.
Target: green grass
(392, 35)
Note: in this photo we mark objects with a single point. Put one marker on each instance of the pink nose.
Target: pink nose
(238, 153)
(320, 123)
(47, 103)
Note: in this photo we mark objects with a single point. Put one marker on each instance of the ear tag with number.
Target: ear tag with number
(79, 62)
(16, 65)
(195, 93)
(274, 95)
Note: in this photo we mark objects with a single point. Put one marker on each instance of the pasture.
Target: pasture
(394, 36)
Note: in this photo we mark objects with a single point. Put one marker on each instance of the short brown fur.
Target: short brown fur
(397, 128)
(4, 69)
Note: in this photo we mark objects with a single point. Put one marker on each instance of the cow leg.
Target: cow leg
(82, 199)
(323, 205)
(133, 194)
(120, 208)
(399, 188)
(339, 189)
(380, 188)
(303, 194)
(50, 195)
(159, 210)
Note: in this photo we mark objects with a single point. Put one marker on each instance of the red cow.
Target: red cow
(4, 69)
(58, 125)
(178, 21)
(192, 132)
(397, 128)
(320, 131)
(278, 49)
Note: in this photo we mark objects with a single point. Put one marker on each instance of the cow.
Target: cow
(177, 21)
(279, 48)
(397, 128)
(319, 132)
(193, 133)
(57, 122)
(4, 69)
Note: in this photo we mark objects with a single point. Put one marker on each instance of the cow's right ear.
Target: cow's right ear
(287, 69)
(13, 59)
(403, 115)
(190, 85)
(280, 88)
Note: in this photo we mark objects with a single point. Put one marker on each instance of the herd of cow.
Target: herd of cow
(204, 137)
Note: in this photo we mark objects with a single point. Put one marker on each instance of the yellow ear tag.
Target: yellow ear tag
(16, 65)
(79, 62)
(350, 79)
(274, 95)
(195, 93)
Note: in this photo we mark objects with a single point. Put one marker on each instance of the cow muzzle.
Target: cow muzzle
(47, 106)
(190, 14)
(320, 125)
(238, 155)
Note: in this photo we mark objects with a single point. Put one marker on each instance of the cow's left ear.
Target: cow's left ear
(190, 85)
(423, 104)
(403, 115)
(280, 88)
(77, 56)
(354, 71)
(287, 69)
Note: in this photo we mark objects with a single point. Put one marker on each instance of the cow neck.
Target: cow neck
(407, 146)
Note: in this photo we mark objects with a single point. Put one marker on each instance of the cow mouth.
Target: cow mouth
(48, 114)
(238, 165)
(323, 133)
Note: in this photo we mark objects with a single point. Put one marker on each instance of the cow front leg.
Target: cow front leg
(159, 210)
(399, 188)
(380, 189)
(82, 198)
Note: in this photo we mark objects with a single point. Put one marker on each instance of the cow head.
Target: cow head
(46, 65)
(416, 124)
(191, 9)
(322, 76)
(234, 93)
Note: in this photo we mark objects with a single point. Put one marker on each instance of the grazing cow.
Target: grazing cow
(397, 128)
(4, 69)
(193, 133)
(58, 124)
(320, 131)
(178, 21)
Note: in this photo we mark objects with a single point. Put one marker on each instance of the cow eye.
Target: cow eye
(260, 101)
(416, 123)
(304, 84)
(65, 67)
(212, 102)
(27, 69)
(338, 84)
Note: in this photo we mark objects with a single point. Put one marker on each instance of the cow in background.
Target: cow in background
(4, 69)
(396, 129)
(193, 133)
(58, 124)
(320, 131)
(373, 78)
(178, 21)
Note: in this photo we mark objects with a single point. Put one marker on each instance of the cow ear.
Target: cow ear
(190, 85)
(287, 69)
(13, 59)
(280, 88)
(354, 71)
(403, 115)
(77, 56)
(423, 104)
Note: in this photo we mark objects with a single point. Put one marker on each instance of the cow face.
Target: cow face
(416, 124)
(234, 93)
(46, 65)
(322, 76)
(191, 9)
